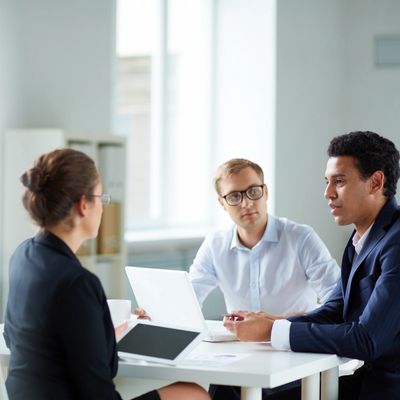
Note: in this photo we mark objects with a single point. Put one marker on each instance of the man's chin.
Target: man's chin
(341, 221)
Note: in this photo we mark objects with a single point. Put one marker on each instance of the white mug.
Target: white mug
(120, 310)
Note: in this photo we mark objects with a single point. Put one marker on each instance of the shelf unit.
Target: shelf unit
(21, 147)
(106, 255)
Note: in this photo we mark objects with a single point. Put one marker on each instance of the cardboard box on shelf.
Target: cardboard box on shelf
(109, 237)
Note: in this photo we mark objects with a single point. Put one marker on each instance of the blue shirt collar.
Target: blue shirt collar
(270, 234)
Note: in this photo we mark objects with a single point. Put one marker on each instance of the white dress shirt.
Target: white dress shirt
(288, 270)
(281, 328)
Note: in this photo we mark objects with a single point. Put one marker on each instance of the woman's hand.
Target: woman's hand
(141, 314)
(119, 329)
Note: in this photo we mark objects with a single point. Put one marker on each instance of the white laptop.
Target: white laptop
(168, 297)
(149, 341)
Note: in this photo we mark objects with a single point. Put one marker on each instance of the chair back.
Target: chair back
(3, 390)
(4, 357)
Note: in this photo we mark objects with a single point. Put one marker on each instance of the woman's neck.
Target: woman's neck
(68, 235)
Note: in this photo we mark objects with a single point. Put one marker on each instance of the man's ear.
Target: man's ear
(82, 206)
(266, 190)
(377, 181)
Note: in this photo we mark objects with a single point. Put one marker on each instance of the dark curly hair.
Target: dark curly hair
(371, 152)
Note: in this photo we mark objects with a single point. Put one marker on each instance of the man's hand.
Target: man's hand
(248, 326)
(281, 316)
(141, 314)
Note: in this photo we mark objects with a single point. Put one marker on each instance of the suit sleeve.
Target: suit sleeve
(329, 313)
(377, 328)
(88, 339)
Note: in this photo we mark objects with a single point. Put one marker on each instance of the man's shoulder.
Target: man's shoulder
(388, 221)
(292, 228)
(220, 236)
(393, 229)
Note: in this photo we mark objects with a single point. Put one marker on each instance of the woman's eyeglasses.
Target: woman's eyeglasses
(105, 198)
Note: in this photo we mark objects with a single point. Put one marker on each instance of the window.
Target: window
(163, 104)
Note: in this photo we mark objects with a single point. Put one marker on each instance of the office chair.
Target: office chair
(3, 390)
(4, 355)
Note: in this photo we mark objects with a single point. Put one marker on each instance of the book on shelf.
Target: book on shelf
(109, 236)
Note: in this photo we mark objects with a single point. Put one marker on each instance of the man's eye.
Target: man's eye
(234, 196)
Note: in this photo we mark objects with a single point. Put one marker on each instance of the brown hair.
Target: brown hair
(234, 166)
(56, 182)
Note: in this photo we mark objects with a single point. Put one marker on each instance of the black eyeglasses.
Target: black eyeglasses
(252, 193)
(105, 198)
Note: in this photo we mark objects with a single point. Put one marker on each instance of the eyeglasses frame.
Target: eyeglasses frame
(242, 193)
(105, 198)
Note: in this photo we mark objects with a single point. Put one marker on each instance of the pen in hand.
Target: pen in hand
(232, 317)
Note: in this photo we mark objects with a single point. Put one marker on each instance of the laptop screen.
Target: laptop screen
(167, 296)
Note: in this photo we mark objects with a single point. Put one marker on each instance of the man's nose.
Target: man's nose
(246, 201)
(329, 192)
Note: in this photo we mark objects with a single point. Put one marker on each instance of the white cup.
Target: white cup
(120, 310)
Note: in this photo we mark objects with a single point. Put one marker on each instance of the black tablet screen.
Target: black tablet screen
(156, 341)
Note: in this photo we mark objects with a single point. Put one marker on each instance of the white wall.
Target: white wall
(327, 84)
(7, 62)
(8, 97)
(8, 68)
(56, 61)
(245, 77)
(310, 87)
(64, 63)
(373, 100)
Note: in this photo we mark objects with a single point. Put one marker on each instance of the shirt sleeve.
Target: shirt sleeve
(321, 270)
(202, 273)
(280, 335)
(88, 339)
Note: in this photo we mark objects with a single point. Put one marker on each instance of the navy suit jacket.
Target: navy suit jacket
(58, 326)
(361, 319)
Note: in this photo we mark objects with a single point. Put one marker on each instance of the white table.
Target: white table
(263, 368)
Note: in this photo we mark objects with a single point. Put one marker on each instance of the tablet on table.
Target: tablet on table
(155, 342)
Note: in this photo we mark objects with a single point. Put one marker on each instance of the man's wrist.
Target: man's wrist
(280, 334)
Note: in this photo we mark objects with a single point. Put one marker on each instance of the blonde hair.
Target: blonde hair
(234, 166)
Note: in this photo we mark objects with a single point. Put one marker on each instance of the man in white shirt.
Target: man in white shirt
(262, 263)
(361, 318)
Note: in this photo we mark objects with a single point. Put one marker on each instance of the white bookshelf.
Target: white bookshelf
(106, 259)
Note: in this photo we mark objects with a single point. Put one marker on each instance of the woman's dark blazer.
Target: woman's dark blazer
(57, 326)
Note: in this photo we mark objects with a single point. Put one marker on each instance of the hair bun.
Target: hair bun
(35, 179)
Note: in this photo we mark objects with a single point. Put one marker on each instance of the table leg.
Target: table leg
(250, 393)
(329, 384)
(310, 387)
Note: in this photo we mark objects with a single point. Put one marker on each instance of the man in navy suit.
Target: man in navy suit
(361, 318)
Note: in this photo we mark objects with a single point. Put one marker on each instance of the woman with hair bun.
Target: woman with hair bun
(58, 325)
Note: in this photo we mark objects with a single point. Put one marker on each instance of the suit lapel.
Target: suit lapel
(347, 261)
(378, 231)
